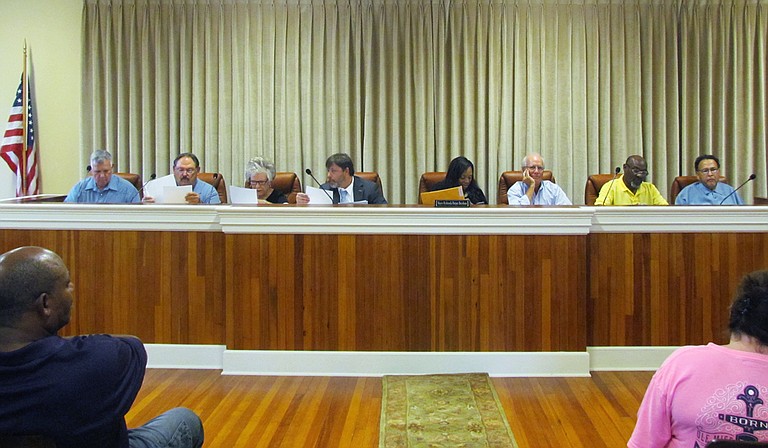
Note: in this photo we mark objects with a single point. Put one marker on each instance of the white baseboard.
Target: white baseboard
(627, 358)
(324, 363)
(185, 356)
(314, 363)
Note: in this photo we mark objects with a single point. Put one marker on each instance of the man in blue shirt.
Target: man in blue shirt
(708, 190)
(186, 167)
(533, 190)
(101, 186)
(74, 391)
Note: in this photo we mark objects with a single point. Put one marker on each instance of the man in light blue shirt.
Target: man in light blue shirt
(101, 187)
(532, 190)
(708, 190)
(186, 167)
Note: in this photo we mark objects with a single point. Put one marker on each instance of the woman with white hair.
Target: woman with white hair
(259, 174)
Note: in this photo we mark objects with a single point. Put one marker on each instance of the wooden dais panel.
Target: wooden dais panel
(406, 292)
(164, 287)
(666, 289)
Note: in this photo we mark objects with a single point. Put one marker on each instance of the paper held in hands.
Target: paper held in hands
(164, 190)
(176, 194)
(429, 197)
(319, 196)
(241, 195)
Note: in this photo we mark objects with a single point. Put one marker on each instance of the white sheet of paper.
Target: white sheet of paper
(154, 188)
(318, 196)
(173, 194)
(241, 195)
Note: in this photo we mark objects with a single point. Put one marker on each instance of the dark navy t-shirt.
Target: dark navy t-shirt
(76, 391)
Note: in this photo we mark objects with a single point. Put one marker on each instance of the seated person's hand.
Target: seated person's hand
(302, 198)
(528, 179)
(192, 198)
(148, 200)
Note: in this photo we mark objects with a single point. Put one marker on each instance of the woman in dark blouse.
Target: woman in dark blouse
(462, 172)
(259, 174)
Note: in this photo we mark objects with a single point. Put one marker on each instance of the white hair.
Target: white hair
(525, 159)
(259, 165)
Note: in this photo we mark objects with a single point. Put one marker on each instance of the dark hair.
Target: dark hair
(705, 157)
(186, 154)
(341, 160)
(749, 309)
(24, 277)
(456, 168)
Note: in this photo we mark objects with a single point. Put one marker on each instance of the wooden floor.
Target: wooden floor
(267, 411)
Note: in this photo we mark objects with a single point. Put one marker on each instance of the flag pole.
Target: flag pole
(24, 112)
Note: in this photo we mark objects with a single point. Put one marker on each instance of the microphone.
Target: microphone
(752, 176)
(151, 178)
(88, 168)
(616, 172)
(308, 171)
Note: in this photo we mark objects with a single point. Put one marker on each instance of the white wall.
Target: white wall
(7, 185)
(52, 30)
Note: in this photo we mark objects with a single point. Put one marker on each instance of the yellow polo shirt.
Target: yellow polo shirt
(617, 193)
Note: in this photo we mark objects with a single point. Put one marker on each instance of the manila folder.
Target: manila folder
(429, 197)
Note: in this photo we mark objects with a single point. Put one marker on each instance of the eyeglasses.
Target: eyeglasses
(638, 171)
(189, 171)
(534, 168)
(259, 183)
(709, 170)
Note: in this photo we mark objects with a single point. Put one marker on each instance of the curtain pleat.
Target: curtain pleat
(404, 86)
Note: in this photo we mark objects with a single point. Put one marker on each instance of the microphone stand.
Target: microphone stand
(752, 176)
(151, 178)
(615, 174)
(308, 171)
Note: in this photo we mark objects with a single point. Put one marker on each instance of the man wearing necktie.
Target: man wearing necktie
(343, 196)
(346, 187)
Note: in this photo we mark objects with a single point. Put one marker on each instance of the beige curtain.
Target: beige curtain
(404, 86)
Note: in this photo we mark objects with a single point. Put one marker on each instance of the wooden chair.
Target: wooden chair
(287, 183)
(428, 181)
(373, 176)
(681, 182)
(594, 183)
(217, 181)
(135, 180)
(509, 178)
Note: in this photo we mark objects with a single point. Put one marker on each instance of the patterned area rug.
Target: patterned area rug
(442, 411)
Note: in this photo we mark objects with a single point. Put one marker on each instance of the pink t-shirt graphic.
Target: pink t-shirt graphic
(734, 412)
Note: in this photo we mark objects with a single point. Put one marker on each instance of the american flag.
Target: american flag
(12, 149)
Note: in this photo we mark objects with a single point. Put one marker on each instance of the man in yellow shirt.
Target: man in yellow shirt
(631, 188)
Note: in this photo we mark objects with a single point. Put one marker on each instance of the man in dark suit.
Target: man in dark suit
(346, 187)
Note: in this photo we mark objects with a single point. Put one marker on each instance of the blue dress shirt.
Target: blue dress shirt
(117, 191)
(698, 194)
(549, 194)
(208, 194)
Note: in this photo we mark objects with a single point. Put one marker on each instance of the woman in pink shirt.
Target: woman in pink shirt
(708, 392)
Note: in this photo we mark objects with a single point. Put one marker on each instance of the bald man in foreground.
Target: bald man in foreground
(74, 391)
